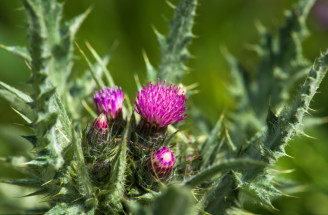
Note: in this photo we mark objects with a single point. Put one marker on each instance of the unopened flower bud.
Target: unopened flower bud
(163, 161)
(98, 128)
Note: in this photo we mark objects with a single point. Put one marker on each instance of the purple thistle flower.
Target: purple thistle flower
(163, 160)
(109, 100)
(160, 105)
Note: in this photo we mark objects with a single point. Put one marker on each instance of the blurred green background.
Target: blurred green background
(218, 23)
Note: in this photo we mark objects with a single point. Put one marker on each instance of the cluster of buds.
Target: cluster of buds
(108, 102)
(158, 105)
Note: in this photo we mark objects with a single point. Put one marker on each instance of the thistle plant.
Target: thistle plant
(132, 156)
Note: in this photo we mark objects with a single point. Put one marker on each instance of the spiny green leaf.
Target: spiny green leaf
(209, 145)
(86, 188)
(53, 57)
(293, 33)
(19, 51)
(281, 64)
(28, 120)
(23, 182)
(50, 61)
(290, 121)
(223, 166)
(262, 189)
(32, 139)
(287, 124)
(18, 105)
(37, 193)
(46, 95)
(240, 81)
(272, 120)
(37, 30)
(45, 123)
(18, 93)
(283, 53)
(75, 23)
(18, 163)
(173, 49)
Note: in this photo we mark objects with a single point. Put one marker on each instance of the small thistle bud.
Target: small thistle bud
(100, 122)
(109, 100)
(99, 127)
(163, 161)
(160, 106)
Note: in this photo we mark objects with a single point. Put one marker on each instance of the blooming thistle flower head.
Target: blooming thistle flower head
(99, 127)
(160, 105)
(163, 160)
(109, 100)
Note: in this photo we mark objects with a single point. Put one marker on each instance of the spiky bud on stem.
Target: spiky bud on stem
(98, 129)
